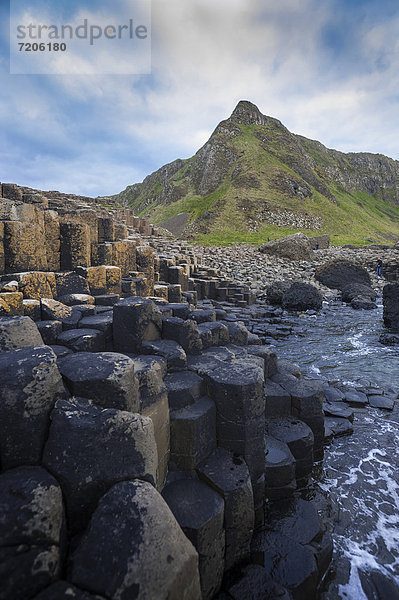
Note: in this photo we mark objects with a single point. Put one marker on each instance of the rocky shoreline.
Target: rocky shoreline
(152, 445)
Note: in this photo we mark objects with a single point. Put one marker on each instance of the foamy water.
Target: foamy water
(361, 471)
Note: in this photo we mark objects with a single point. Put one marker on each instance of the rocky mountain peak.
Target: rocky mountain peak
(246, 113)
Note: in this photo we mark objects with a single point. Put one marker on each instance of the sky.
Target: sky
(329, 70)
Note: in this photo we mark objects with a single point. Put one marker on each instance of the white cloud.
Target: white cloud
(207, 56)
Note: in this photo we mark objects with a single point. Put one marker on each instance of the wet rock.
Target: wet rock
(338, 409)
(30, 385)
(355, 398)
(229, 476)
(107, 378)
(389, 339)
(390, 297)
(381, 402)
(338, 426)
(299, 438)
(184, 389)
(136, 320)
(30, 532)
(293, 565)
(338, 273)
(332, 394)
(18, 332)
(170, 350)
(192, 433)
(199, 510)
(255, 583)
(302, 296)
(279, 469)
(151, 555)
(307, 405)
(89, 449)
(378, 586)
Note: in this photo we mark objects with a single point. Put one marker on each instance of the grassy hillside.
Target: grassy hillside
(254, 179)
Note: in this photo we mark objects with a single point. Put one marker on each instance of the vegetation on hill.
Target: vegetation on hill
(254, 179)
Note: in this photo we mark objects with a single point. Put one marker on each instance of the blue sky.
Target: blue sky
(328, 70)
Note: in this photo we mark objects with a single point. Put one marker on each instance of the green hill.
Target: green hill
(254, 179)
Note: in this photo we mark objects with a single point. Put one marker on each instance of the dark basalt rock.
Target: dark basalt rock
(338, 273)
(338, 426)
(381, 402)
(275, 292)
(255, 583)
(185, 333)
(302, 296)
(49, 330)
(30, 385)
(229, 476)
(135, 320)
(353, 290)
(184, 388)
(151, 556)
(89, 449)
(390, 297)
(199, 510)
(31, 528)
(361, 303)
(299, 438)
(82, 340)
(107, 378)
(62, 590)
(170, 350)
(18, 332)
(192, 433)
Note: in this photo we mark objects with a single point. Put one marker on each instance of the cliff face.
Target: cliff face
(253, 171)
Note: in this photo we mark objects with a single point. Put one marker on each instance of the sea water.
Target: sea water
(360, 472)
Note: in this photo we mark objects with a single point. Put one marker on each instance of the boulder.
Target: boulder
(275, 292)
(199, 510)
(30, 385)
(293, 247)
(31, 527)
(107, 378)
(89, 449)
(354, 290)
(390, 297)
(18, 332)
(151, 557)
(302, 296)
(338, 273)
(184, 389)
